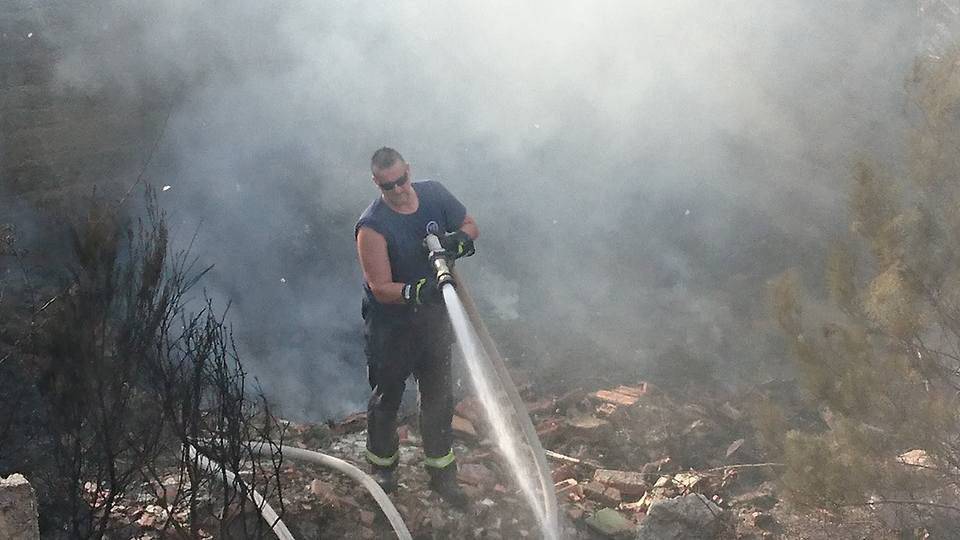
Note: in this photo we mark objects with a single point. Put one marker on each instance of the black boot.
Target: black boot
(444, 483)
(385, 477)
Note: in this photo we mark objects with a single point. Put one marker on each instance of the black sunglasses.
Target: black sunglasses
(388, 186)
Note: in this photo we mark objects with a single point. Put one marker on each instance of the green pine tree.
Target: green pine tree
(881, 362)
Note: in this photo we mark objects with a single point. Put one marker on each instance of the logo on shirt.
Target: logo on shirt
(432, 227)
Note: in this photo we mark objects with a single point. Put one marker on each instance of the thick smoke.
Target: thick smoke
(637, 168)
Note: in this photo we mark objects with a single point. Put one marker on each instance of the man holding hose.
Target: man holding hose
(406, 326)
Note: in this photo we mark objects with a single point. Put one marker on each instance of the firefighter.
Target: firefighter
(407, 330)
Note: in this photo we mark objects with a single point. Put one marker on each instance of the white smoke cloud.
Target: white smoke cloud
(621, 157)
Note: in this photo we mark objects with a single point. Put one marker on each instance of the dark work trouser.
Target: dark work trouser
(397, 347)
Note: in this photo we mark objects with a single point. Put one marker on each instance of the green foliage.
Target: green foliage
(881, 361)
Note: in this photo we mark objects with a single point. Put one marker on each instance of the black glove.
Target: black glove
(457, 244)
(421, 292)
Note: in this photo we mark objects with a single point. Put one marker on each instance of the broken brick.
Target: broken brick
(471, 409)
(635, 391)
(687, 480)
(606, 410)
(616, 398)
(601, 493)
(629, 483)
(463, 428)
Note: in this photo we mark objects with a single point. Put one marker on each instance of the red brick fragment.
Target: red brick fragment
(601, 493)
(606, 410)
(629, 483)
(635, 391)
(611, 396)
(351, 424)
(463, 428)
(471, 409)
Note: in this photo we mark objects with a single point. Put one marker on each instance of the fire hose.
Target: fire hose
(270, 515)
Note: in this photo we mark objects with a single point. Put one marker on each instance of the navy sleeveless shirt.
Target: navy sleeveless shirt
(439, 212)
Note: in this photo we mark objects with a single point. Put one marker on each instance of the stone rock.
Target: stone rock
(629, 483)
(18, 509)
(609, 522)
(691, 517)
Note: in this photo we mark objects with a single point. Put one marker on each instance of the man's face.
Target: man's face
(394, 182)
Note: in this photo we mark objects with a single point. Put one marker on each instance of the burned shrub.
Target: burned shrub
(129, 379)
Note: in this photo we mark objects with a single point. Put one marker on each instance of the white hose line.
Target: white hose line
(266, 511)
(365, 480)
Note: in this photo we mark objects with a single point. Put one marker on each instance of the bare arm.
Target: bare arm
(375, 263)
(470, 227)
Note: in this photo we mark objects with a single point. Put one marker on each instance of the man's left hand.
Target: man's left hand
(457, 244)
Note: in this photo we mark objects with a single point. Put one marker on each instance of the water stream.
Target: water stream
(509, 441)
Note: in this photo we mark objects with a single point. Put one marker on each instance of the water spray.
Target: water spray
(490, 381)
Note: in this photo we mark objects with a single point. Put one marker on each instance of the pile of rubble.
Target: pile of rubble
(627, 462)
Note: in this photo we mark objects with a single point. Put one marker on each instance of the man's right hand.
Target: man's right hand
(422, 292)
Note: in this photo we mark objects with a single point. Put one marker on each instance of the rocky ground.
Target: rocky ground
(629, 461)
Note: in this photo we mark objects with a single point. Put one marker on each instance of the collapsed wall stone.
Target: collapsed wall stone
(18, 509)
(691, 517)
